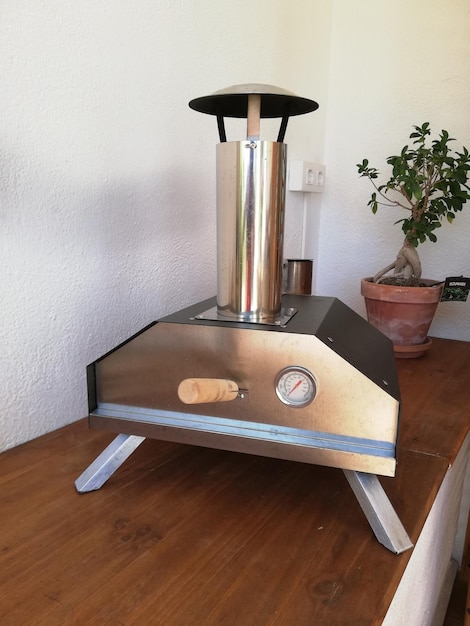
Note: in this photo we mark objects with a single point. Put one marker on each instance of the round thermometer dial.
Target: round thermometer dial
(296, 386)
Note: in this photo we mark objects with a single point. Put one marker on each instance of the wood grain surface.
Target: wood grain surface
(183, 536)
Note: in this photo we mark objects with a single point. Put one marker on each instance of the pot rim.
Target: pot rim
(394, 293)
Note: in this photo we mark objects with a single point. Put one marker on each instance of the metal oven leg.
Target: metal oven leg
(379, 511)
(107, 462)
(377, 508)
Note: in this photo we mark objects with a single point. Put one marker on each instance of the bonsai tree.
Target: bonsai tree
(429, 181)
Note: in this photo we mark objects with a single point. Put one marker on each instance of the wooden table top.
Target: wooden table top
(182, 535)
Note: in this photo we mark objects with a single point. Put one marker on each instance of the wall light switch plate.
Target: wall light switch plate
(306, 176)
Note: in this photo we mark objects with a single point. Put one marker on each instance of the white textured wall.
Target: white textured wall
(393, 65)
(107, 216)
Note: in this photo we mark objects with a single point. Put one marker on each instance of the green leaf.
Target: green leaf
(461, 175)
(417, 191)
(409, 187)
(457, 203)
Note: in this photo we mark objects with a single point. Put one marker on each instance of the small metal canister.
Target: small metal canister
(298, 276)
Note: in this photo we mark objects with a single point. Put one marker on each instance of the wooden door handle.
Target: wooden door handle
(200, 390)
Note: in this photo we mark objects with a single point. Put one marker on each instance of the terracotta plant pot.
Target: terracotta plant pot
(404, 314)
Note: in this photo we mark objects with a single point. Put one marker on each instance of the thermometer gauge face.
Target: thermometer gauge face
(296, 386)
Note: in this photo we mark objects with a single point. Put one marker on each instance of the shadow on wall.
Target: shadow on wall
(151, 250)
(93, 268)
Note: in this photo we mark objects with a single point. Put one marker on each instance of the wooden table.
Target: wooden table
(182, 535)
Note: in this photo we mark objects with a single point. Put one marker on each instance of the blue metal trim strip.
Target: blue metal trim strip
(252, 430)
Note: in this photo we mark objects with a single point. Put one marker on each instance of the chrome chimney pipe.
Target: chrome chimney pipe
(251, 181)
(251, 186)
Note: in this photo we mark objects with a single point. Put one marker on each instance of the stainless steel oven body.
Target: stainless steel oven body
(296, 377)
(343, 412)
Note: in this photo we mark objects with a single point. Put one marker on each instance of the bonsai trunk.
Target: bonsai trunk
(406, 268)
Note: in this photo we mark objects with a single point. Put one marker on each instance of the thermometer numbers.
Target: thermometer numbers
(296, 386)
